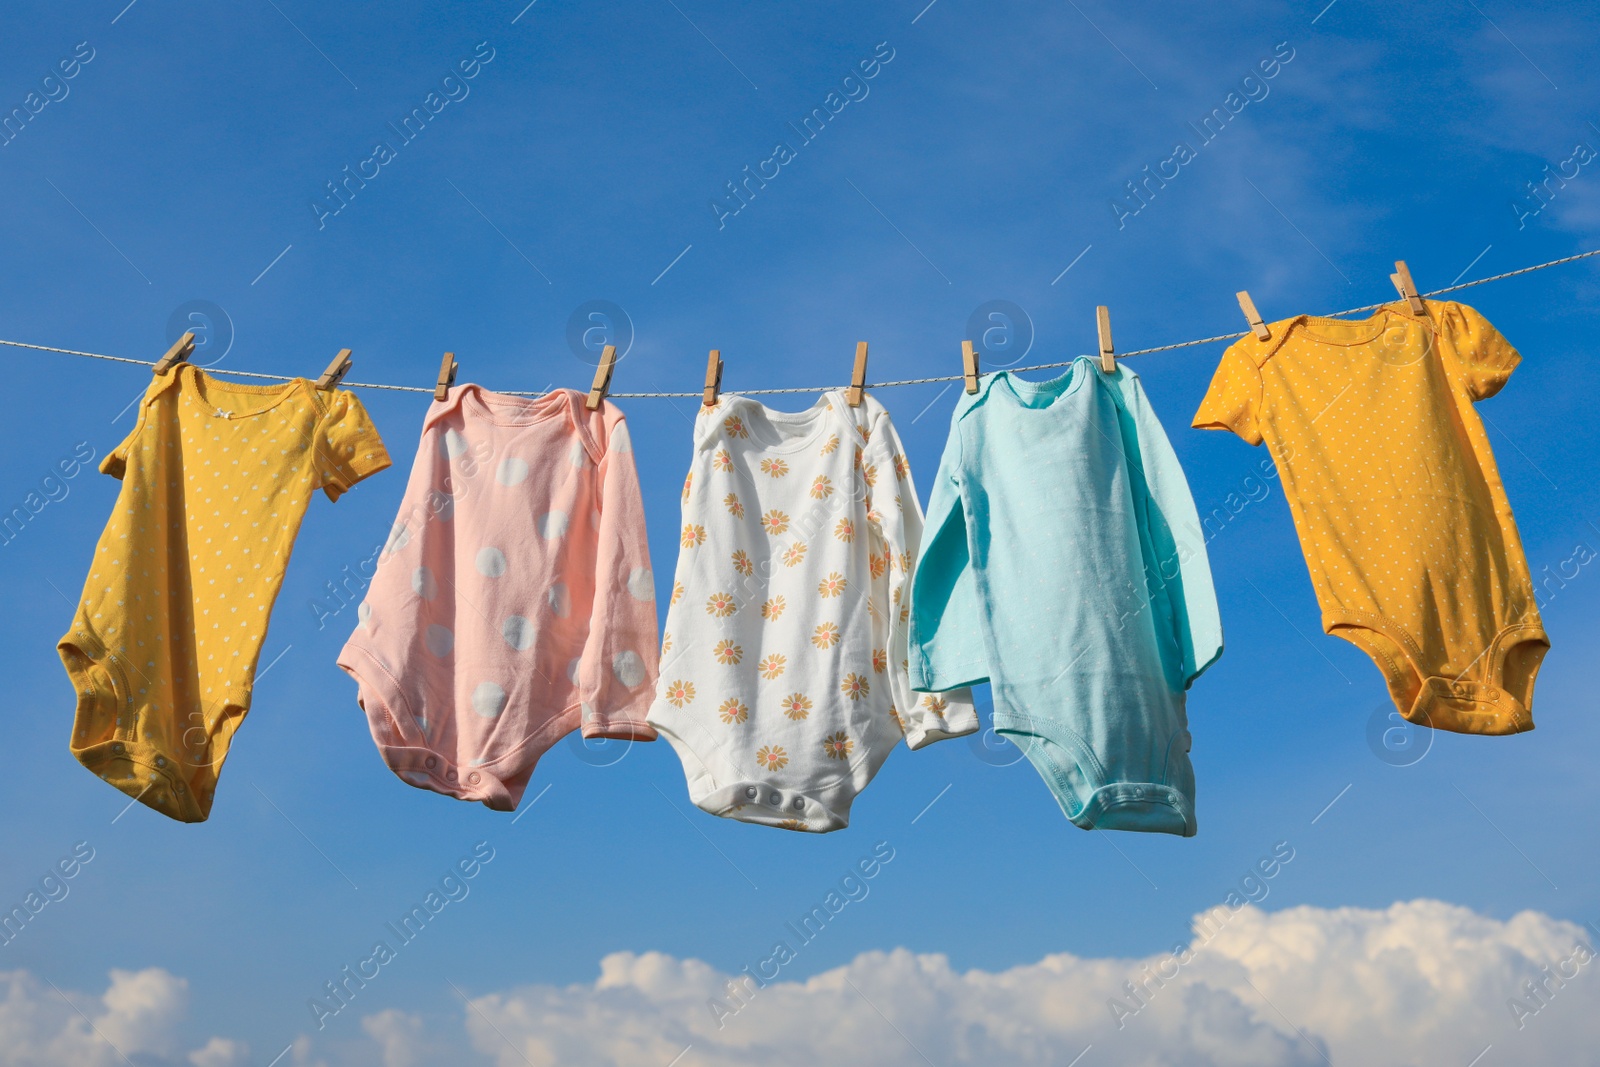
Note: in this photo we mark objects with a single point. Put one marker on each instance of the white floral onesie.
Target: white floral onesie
(783, 667)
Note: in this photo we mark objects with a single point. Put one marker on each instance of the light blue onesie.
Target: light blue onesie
(1063, 563)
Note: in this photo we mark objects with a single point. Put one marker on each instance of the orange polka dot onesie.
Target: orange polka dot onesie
(1405, 526)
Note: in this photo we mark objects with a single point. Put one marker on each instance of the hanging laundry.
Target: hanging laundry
(513, 601)
(216, 478)
(1065, 565)
(1407, 533)
(783, 682)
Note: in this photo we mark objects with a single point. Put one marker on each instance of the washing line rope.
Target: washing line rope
(819, 389)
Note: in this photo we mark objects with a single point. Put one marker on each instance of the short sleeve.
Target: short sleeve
(1485, 358)
(348, 446)
(1234, 400)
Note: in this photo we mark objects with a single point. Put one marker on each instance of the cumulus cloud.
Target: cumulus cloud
(137, 1019)
(1417, 982)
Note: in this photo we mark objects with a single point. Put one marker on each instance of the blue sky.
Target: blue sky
(179, 168)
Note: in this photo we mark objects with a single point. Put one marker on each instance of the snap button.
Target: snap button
(775, 798)
(161, 761)
(799, 804)
(750, 792)
(450, 775)
(431, 762)
(177, 787)
(472, 778)
(117, 748)
(1491, 692)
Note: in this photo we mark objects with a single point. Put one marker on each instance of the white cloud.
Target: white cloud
(1417, 982)
(137, 1017)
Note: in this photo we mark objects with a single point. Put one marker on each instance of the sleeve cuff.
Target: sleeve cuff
(370, 458)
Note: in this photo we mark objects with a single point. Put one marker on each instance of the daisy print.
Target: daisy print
(666, 642)
(693, 535)
(854, 686)
(880, 660)
(727, 653)
(877, 564)
(731, 502)
(772, 666)
(688, 480)
(895, 715)
(679, 693)
(733, 711)
(777, 468)
(935, 704)
(825, 636)
(721, 605)
(837, 746)
(772, 758)
(832, 585)
(677, 592)
(775, 522)
(733, 426)
(870, 474)
(772, 609)
(721, 460)
(794, 824)
(796, 706)
(742, 564)
(794, 555)
(831, 445)
(902, 469)
(845, 530)
(821, 487)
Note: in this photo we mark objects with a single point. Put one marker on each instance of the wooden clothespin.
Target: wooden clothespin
(336, 370)
(602, 378)
(858, 377)
(1108, 354)
(447, 376)
(1408, 288)
(1253, 317)
(713, 378)
(175, 355)
(969, 366)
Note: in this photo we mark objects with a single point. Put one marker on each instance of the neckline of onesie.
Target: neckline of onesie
(823, 410)
(532, 410)
(1063, 385)
(195, 385)
(1357, 332)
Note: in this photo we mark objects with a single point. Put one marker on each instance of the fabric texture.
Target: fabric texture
(513, 600)
(162, 652)
(1406, 528)
(1065, 565)
(783, 682)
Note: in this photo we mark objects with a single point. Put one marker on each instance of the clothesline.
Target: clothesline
(818, 389)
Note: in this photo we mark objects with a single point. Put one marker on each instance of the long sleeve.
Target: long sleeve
(617, 673)
(1182, 579)
(895, 518)
(946, 648)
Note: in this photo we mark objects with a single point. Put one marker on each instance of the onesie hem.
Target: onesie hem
(380, 694)
(1459, 705)
(122, 762)
(629, 729)
(818, 811)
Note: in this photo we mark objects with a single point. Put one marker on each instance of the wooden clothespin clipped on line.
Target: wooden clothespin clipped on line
(175, 355)
(336, 370)
(1252, 316)
(602, 378)
(1108, 354)
(858, 377)
(1408, 288)
(447, 376)
(713, 378)
(969, 366)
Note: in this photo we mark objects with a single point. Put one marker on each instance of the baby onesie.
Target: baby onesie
(163, 648)
(783, 683)
(513, 600)
(1405, 526)
(1066, 566)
